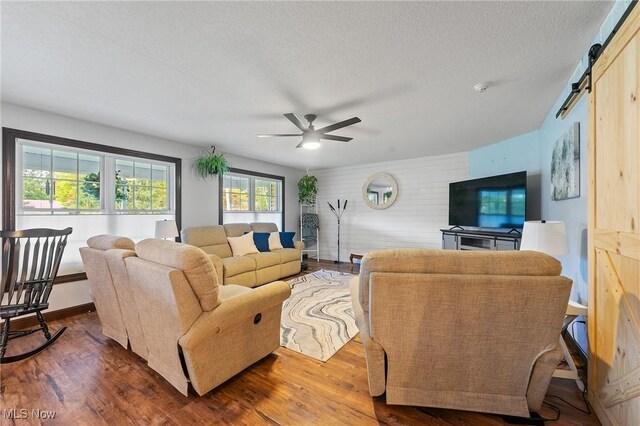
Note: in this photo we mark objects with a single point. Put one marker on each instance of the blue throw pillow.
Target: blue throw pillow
(286, 238)
(261, 240)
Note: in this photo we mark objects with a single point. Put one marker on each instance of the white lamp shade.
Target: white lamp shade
(166, 229)
(548, 237)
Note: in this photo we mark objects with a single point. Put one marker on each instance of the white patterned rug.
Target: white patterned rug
(317, 320)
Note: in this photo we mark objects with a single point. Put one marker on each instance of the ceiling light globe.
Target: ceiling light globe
(311, 145)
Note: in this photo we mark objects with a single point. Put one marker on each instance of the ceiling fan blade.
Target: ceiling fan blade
(279, 135)
(295, 120)
(300, 144)
(339, 125)
(335, 138)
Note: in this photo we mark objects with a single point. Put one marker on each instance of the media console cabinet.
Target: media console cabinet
(456, 239)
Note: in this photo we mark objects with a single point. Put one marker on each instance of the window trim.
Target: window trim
(19, 167)
(9, 136)
(255, 175)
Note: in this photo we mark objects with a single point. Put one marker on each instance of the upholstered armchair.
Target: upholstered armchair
(463, 330)
(189, 319)
(103, 259)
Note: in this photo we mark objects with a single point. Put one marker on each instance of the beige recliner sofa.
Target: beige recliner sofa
(463, 330)
(250, 270)
(189, 319)
(111, 291)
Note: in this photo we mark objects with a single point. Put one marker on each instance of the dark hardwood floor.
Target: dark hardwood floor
(88, 379)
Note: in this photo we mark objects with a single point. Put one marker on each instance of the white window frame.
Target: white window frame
(107, 182)
(253, 175)
(252, 193)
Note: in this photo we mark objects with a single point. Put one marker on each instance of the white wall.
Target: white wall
(199, 198)
(509, 156)
(532, 152)
(572, 212)
(197, 209)
(414, 221)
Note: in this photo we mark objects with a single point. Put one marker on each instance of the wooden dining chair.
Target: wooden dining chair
(30, 261)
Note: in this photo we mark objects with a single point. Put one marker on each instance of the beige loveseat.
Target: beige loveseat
(197, 331)
(249, 270)
(463, 330)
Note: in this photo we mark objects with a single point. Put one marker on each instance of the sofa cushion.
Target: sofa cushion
(108, 242)
(238, 265)
(212, 239)
(264, 260)
(288, 254)
(242, 245)
(264, 227)
(274, 241)
(261, 239)
(236, 229)
(286, 238)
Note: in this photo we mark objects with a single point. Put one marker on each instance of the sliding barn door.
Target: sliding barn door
(614, 229)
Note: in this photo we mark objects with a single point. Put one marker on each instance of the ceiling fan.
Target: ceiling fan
(310, 136)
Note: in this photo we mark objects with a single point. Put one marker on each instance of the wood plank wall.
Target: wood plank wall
(413, 221)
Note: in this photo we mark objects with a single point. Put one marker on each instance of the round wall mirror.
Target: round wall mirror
(380, 191)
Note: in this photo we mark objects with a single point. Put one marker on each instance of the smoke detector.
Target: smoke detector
(480, 87)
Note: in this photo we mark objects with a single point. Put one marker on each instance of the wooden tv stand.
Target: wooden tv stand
(479, 239)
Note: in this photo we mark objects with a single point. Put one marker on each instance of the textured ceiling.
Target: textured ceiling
(220, 73)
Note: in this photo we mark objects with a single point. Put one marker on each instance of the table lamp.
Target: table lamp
(548, 237)
(166, 229)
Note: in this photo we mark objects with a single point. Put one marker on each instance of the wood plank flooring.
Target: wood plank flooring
(88, 379)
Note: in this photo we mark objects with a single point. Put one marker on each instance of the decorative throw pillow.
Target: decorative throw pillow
(286, 238)
(261, 239)
(274, 241)
(242, 245)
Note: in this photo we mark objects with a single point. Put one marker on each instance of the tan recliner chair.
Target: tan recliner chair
(463, 330)
(217, 331)
(111, 291)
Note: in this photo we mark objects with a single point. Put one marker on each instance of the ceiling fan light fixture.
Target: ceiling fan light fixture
(310, 136)
(311, 145)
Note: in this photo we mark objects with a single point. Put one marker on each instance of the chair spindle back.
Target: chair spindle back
(30, 262)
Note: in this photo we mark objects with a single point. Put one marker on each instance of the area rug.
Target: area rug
(317, 320)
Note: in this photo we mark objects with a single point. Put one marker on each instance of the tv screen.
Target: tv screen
(491, 202)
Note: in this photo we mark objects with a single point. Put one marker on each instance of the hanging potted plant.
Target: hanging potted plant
(211, 164)
(307, 189)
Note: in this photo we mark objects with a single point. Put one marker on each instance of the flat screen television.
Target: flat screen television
(491, 202)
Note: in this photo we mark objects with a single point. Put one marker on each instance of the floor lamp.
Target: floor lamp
(550, 237)
(338, 213)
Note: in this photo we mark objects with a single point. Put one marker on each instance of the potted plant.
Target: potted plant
(210, 164)
(307, 189)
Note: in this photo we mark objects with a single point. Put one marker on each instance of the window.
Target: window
(76, 181)
(267, 195)
(373, 197)
(251, 197)
(236, 193)
(54, 182)
(141, 186)
(59, 180)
